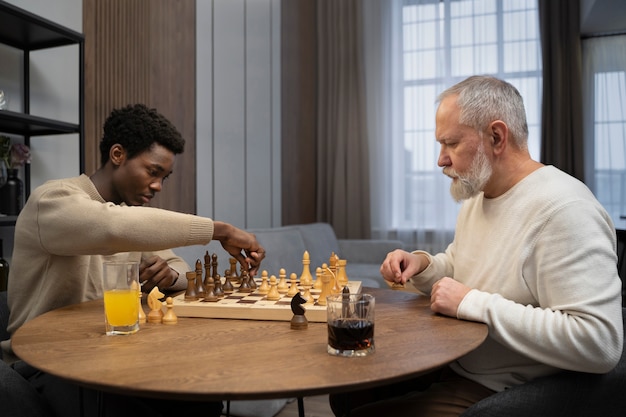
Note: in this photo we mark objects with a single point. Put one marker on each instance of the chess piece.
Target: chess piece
(326, 285)
(142, 314)
(282, 281)
(293, 288)
(155, 315)
(218, 288)
(169, 317)
(273, 294)
(335, 288)
(228, 285)
(308, 296)
(251, 281)
(233, 269)
(298, 321)
(245, 283)
(318, 278)
(342, 277)
(332, 262)
(190, 293)
(214, 264)
(207, 262)
(210, 291)
(207, 268)
(306, 278)
(199, 285)
(264, 288)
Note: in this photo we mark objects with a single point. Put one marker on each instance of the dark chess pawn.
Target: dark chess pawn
(218, 290)
(228, 285)
(210, 293)
(251, 281)
(245, 284)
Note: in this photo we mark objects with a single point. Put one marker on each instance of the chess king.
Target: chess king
(68, 227)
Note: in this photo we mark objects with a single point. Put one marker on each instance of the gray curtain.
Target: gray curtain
(562, 130)
(343, 197)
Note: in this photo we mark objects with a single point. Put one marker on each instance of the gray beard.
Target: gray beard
(469, 185)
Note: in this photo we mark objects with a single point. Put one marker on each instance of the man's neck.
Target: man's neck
(512, 172)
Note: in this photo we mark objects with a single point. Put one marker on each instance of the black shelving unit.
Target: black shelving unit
(28, 32)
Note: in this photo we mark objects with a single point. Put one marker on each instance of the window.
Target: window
(604, 92)
(442, 43)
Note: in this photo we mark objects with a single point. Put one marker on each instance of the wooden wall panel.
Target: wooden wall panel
(143, 51)
(299, 110)
(172, 91)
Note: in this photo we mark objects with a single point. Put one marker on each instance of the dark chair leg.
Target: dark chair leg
(300, 407)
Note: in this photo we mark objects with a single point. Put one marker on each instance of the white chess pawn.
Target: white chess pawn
(293, 289)
(273, 294)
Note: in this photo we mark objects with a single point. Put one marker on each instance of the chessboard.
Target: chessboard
(253, 306)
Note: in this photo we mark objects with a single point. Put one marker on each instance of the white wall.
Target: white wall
(238, 107)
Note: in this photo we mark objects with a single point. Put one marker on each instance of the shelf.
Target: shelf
(27, 124)
(28, 32)
(23, 30)
(7, 220)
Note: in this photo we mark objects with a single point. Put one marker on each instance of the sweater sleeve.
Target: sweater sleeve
(107, 228)
(439, 266)
(571, 272)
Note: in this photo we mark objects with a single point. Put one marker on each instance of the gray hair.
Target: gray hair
(483, 99)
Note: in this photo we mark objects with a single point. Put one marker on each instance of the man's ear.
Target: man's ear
(117, 154)
(499, 132)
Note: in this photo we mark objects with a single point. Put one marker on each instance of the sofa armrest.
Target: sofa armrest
(366, 251)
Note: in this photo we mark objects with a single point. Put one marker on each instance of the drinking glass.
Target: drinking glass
(350, 324)
(121, 291)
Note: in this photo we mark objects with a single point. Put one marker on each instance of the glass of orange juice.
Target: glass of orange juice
(121, 292)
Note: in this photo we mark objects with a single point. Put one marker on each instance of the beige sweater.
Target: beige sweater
(64, 232)
(541, 261)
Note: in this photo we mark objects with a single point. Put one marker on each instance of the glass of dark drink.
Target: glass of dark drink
(350, 324)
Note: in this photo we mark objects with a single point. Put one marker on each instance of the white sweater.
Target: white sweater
(541, 262)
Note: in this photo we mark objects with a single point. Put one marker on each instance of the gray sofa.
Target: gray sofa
(285, 247)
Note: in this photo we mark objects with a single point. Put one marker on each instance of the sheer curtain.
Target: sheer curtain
(416, 49)
(604, 95)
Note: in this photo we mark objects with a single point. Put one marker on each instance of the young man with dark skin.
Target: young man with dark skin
(68, 227)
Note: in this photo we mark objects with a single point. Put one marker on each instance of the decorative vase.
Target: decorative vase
(11, 194)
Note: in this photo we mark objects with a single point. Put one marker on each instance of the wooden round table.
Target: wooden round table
(223, 359)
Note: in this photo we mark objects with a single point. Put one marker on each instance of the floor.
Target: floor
(316, 406)
(313, 407)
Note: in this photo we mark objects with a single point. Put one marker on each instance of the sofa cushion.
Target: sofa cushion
(321, 242)
(284, 247)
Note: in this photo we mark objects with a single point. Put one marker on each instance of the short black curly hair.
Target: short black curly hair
(137, 127)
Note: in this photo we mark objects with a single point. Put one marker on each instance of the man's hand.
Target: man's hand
(400, 265)
(155, 272)
(446, 295)
(241, 245)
